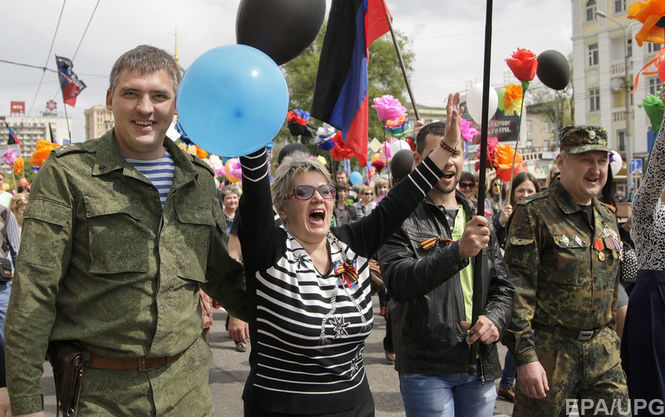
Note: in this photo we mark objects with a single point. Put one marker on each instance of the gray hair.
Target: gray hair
(145, 59)
(230, 189)
(292, 166)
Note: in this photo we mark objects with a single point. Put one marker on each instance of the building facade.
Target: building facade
(604, 51)
(29, 129)
(98, 120)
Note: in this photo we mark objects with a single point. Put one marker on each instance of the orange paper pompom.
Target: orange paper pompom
(42, 151)
(19, 165)
(503, 161)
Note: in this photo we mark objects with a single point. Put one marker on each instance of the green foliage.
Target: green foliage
(384, 74)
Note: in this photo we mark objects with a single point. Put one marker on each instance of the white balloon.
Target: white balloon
(474, 102)
(616, 163)
(397, 146)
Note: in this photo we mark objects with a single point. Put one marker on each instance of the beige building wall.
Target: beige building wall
(98, 121)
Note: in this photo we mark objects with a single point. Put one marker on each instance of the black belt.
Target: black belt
(581, 335)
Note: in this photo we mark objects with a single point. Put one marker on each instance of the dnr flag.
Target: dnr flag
(70, 84)
(13, 140)
(340, 92)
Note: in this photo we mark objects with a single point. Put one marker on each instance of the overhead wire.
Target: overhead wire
(48, 57)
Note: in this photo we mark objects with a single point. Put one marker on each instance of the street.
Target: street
(230, 368)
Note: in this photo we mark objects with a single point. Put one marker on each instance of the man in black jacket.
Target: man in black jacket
(428, 270)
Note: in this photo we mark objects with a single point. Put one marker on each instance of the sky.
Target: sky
(447, 38)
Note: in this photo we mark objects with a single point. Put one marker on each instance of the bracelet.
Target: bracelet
(453, 151)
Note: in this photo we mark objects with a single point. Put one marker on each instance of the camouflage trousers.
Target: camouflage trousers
(179, 389)
(586, 371)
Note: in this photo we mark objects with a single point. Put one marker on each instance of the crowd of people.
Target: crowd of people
(127, 244)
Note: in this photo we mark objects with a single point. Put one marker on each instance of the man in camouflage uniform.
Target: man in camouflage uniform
(110, 264)
(563, 255)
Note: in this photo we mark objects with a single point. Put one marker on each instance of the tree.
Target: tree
(384, 75)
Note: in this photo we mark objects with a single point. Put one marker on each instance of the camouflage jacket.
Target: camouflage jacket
(564, 268)
(104, 264)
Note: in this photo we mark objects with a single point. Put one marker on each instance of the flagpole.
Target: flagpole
(401, 64)
(478, 261)
(69, 131)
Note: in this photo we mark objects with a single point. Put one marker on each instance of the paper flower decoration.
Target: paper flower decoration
(523, 64)
(492, 143)
(468, 131)
(387, 107)
(649, 12)
(654, 108)
(340, 152)
(398, 127)
(378, 165)
(42, 151)
(9, 157)
(503, 161)
(18, 166)
(298, 116)
(512, 100)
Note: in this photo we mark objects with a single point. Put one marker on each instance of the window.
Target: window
(592, 54)
(546, 126)
(594, 99)
(590, 10)
(621, 141)
(619, 6)
(529, 126)
(655, 85)
(653, 47)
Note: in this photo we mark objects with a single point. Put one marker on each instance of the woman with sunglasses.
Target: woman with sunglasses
(308, 284)
(365, 203)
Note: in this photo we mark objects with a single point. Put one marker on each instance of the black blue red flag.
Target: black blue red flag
(70, 84)
(13, 139)
(340, 93)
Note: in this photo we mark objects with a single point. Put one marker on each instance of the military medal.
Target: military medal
(578, 241)
(598, 244)
(601, 256)
(564, 240)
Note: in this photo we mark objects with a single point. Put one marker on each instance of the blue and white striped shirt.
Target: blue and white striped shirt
(159, 171)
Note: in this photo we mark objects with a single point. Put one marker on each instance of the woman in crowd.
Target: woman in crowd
(229, 196)
(17, 205)
(643, 342)
(381, 188)
(308, 285)
(496, 193)
(365, 203)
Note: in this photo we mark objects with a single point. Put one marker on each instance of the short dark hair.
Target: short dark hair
(341, 186)
(291, 148)
(435, 128)
(466, 175)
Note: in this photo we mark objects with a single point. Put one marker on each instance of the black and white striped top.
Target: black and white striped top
(308, 329)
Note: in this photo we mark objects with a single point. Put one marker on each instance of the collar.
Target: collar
(109, 158)
(565, 201)
(468, 206)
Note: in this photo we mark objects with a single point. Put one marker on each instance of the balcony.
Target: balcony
(617, 69)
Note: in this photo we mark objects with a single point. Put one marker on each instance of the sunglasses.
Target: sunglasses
(305, 192)
(368, 193)
(466, 185)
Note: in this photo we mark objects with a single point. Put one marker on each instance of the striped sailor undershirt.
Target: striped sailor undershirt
(310, 327)
(159, 171)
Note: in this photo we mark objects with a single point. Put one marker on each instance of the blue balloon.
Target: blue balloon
(356, 178)
(232, 100)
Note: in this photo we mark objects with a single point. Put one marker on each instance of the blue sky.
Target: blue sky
(447, 37)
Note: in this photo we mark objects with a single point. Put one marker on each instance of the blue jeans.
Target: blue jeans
(447, 395)
(509, 372)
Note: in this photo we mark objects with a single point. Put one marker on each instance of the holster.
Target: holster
(66, 358)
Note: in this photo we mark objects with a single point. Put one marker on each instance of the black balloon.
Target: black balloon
(282, 29)
(401, 164)
(553, 69)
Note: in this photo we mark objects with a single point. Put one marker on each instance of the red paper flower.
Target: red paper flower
(492, 143)
(339, 151)
(523, 64)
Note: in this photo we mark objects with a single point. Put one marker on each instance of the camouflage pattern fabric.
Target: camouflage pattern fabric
(576, 369)
(104, 264)
(565, 272)
(580, 139)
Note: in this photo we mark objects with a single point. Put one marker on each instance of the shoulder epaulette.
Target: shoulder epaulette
(609, 206)
(200, 162)
(73, 148)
